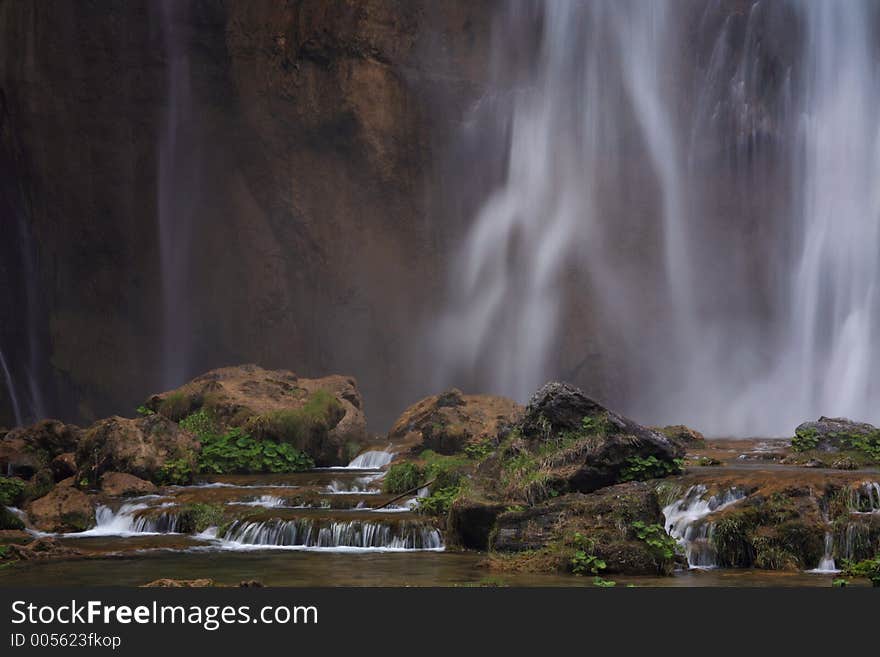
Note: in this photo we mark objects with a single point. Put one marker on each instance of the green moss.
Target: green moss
(11, 491)
(869, 568)
(197, 517)
(201, 423)
(311, 422)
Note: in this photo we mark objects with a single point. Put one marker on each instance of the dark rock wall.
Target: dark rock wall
(315, 239)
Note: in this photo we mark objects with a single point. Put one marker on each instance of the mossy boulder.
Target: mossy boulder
(64, 509)
(142, 447)
(859, 442)
(323, 417)
(449, 422)
(606, 523)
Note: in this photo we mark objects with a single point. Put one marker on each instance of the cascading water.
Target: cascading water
(328, 534)
(709, 208)
(372, 460)
(129, 520)
(685, 522)
(10, 387)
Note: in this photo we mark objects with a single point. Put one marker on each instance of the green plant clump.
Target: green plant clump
(175, 406)
(438, 502)
(804, 440)
(402, 477)
(237, 452)
(583, 562)
(638, 468)
(200, 423)
(197, 517)
(869, 568)
(662, 544)
(175, 472)
(11, 491)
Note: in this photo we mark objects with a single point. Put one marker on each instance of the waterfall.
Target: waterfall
(826, 564)
(177, 191)
(372, 460)
(689, 191)
(361, 485)
(334, 534)
(685, 522)
(10, 387)
(127, 521)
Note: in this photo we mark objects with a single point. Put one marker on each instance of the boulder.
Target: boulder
(65, 508)
(119, 484)
(25, 450)
(833, 434)
(140, 447)
(63, 466)
(684, 436)
(598, 447)
(448, 422)
(322, 417)
(601, 524)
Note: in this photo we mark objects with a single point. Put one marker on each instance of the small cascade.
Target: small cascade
(361, 485)
(128, 520)
(866, 498)
(685, 521)
(267, 501)
(333, 534)
(826, 564)
(372, 460)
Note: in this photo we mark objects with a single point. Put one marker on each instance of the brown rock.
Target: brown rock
(44, 547)
(447, 422)
(25, 450)
(65, 508)
(120, 484)
(63, 466)
(139, 447)
(250, 396)
(166, 583)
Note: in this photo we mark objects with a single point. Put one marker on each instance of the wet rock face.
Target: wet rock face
(448, 422)
(26, 450)
(65, 508)
(319, 126)
(135, 446)
(275, 404)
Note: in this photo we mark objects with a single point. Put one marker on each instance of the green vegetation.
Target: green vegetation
(662, 545)
(320, 413)
(402, 477)
(9, 520)
(11, 491)
(197, 517)
(479, 450)
(237, 452)
(175, 406)
(638, 468)
(869, 568)
(584, 562)
(805, 440)
(438, 502)
(175, 472)
(201, 423)
(143, 411)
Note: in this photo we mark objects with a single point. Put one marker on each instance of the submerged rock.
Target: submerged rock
(65, 508)
(140, 447)
(166, 583)
(448, 422)
(44, 547)
(322, 417)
